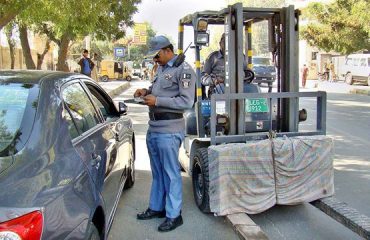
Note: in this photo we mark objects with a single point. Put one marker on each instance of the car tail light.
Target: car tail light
(26, 227)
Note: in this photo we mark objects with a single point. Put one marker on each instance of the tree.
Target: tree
(74, 19)
(342, 26)
(9, 9)
(9, 29)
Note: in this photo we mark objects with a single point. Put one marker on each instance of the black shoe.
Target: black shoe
(149, 214)
(170, 224)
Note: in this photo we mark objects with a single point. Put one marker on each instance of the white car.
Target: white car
(356, 69)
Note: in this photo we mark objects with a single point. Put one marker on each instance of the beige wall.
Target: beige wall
(19, 60)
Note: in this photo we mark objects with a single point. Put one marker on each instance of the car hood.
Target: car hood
(5, 163)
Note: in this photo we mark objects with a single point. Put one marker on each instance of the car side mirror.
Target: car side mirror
(122, 108)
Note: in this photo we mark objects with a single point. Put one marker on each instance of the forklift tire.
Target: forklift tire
(128, 78)
(200, 177)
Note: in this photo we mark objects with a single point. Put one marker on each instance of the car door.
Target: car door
(94, 143)
(118, 161)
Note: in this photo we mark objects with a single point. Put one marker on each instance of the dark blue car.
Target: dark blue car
(66, 154)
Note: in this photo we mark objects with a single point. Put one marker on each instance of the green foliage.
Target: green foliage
(64, 21)
(9, 9)
(342, 26)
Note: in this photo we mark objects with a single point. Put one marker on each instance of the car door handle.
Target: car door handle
(95, 160)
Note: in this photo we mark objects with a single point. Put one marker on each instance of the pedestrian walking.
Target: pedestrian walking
(304, 75)
(86, 64)
(332, 72)
(326, 70)
(94, 72)
(171, 93)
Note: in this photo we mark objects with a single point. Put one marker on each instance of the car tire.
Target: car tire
(94, 233)
(349, 78)
(105, 78)
(200, 179)
(128, 78)
(130, 181)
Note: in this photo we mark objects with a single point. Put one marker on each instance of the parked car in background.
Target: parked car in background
(66, 154)
(264, 70)
(356, 68)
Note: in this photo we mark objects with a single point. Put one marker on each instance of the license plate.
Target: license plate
(256, 105)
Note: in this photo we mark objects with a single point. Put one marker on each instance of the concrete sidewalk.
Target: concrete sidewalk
(114, 88)
(337, 87)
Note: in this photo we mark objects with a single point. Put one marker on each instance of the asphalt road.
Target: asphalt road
(348, 122)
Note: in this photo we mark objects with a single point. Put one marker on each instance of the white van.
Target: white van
(356, 68)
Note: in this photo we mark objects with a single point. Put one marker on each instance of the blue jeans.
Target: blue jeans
(166, 191)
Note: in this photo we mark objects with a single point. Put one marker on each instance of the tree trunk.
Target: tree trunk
(6, 18)
(11, 44)
(23, 35)
(62, 53)
(40, 57)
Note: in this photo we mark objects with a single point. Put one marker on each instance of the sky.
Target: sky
(164, 15)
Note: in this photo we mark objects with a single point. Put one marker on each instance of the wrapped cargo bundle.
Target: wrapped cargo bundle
(241, 178)
(304, 169)
(254, 176)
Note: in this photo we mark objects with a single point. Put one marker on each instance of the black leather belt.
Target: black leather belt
(164, 116)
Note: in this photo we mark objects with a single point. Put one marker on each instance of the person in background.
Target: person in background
(332, 72)
(94, 72)
(304, 75)
(86, 64)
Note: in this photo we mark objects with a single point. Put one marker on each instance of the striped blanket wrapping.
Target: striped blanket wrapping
(304, 169)
(241, 178)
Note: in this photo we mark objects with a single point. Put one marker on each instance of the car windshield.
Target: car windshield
(261, 61)
(13, 101)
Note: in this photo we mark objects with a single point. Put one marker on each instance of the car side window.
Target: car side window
(101, 102)
(73, 132)
(80, 107)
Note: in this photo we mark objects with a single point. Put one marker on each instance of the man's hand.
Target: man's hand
(150, 100)
(140, 92)
(218, 80)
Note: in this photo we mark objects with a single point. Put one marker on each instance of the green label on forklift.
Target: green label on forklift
(256, 105)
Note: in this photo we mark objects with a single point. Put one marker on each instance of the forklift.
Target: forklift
(238, 117)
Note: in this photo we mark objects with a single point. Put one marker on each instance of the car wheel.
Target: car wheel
(128, 78)
(94, 233)
(200, 178)
(349, 78)
(131, 172)
(104, 78)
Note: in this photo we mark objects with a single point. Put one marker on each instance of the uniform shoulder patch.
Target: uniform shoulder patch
(186, 80)
(186, 76)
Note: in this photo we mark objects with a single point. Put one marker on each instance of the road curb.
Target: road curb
(245, 227)
(114, 92)
(360, 91)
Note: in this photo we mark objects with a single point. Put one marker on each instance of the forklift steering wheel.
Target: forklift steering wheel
(248, 75)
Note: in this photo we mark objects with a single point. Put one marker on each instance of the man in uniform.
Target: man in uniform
(171, 93)
(213, 74)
